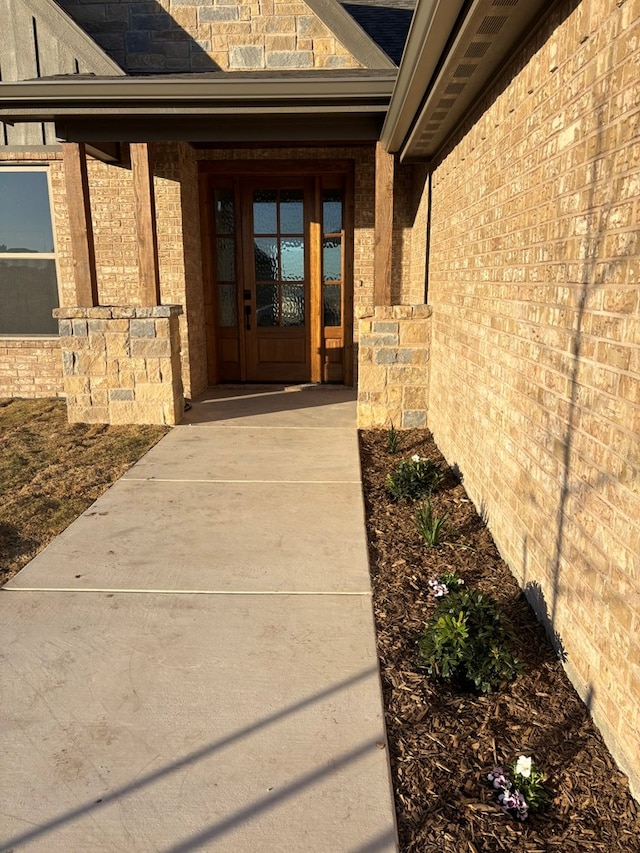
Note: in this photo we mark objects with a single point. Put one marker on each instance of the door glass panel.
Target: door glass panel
(332, 211)
(292, 259)
(223, 203)
(266, 258)
(227, 306)
(332, 304)
(332, 259)
(291, 212)
(293, 305)
(225, 258)
(267, 307)
(265, 213)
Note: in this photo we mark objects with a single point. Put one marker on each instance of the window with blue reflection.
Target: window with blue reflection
(28, 281)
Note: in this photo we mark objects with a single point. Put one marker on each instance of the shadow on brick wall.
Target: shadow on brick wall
(142, 37)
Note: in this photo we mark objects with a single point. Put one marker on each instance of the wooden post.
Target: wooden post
(149, 274)
(383, 231)
(79, 207)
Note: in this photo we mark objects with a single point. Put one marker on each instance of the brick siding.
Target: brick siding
(535, 369)
(30, 367)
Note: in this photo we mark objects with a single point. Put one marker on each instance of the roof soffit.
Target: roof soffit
(462, 64)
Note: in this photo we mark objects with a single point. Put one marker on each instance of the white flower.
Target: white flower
(415, 458)
(523, 766)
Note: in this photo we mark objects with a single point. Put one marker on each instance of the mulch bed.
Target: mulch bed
(443, 742)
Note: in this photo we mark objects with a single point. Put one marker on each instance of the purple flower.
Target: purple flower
(499, 778)
(514, 801)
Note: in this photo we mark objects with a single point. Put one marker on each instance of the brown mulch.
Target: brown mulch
(443, 742)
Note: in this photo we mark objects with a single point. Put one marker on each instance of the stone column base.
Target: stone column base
(121, 365)
(393, 367)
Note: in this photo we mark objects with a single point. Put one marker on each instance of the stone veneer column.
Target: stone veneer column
(121, 365)
(393, 371)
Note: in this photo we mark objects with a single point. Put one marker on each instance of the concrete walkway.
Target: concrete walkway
(192, 665)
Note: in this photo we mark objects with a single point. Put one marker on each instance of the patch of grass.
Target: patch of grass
(51, 471)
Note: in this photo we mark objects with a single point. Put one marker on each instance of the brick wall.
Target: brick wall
(189, 35)
(535, 370)
(410, 195)
(30, 367)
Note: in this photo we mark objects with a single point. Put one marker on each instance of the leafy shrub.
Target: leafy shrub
(466, 641)
(413, 479)
(429, 525)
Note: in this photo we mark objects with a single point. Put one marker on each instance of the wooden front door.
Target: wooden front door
(276, 281)
(275, 277)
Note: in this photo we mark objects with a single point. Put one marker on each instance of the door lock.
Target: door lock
(247, 317)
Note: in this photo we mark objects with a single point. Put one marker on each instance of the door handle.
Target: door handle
(247, 317)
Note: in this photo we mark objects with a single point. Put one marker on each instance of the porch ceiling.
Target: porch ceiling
(225, 107)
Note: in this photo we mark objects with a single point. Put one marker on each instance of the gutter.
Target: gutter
(44, 98)
(431, 27)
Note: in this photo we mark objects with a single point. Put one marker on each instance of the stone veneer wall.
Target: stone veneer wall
(393, 382)
(122, 365)
(535, 369)
(192, 35)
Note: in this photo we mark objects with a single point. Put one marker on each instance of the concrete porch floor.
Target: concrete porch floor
(192, 664)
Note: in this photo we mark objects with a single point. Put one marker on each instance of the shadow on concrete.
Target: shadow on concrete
(232, 402)
(236, 819)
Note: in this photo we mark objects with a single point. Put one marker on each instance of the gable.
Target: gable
(40, 40)
(180, 36)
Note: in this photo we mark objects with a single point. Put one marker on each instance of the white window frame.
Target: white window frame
(33, 255)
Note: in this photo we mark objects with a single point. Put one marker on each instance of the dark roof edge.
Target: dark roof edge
(350, 34)
(47, 99)
(160, 90)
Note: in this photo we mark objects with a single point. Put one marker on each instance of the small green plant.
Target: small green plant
(466, 641)
(413, 479)
(394, 439)
(521, 792)
(429, 525)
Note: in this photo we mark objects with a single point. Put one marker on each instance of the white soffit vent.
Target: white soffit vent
(489, 33)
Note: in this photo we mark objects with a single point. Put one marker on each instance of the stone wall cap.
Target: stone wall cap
(116, 312)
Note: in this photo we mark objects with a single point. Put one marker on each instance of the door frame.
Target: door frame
(234, 173)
